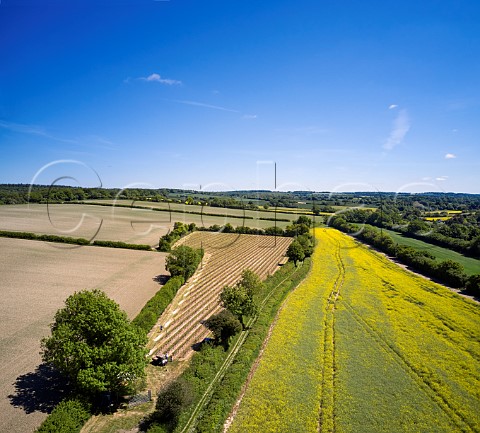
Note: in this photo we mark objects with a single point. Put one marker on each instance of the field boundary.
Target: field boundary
(74, 241)
(189, 426)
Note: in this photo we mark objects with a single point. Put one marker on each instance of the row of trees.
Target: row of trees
(299, 227)
(460, 233)
(238, 301)
(303, 244)
(448, 272)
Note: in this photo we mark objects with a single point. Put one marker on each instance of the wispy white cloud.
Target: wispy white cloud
(33, 130)
(249, 116)
(401, 125)
(392, 106)
(441, 178)
(158, 79)
(450, 156)
(91, 141)
(201, 104)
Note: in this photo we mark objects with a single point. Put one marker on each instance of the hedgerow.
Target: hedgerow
(117, 244)
(152, 310)
(46, 238)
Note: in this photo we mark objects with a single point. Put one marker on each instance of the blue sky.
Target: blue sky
(341, 95)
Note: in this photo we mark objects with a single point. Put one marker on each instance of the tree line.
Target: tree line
(447, 272)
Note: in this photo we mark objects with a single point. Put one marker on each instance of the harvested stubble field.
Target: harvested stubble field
(36, 278)
(366, 346)
(226, 257)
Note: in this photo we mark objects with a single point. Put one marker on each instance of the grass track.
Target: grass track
(393, 352)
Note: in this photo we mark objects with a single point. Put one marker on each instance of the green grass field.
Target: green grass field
(363, 345)
(471, 265)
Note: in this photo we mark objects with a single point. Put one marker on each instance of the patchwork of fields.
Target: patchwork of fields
(136, 226)
(365, 346)
(226, 257)
(36, 278)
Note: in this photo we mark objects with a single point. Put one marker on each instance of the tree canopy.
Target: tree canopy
(94, 344)
(183, 261)
(295, 252)
(239, 299)
(223, 325)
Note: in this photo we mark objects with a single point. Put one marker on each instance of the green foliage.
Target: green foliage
(239, 300)
(226, 392)
(305, 220)
(223, 325)
(152, 310)
(72, 241)
(295, 252)
(46, 238)
(250, 281)
(307, 243)
(171, 401)
(473, 285)
(179, 230)
(94, 344)
(115, 244)
(183, 261)
(69, 416)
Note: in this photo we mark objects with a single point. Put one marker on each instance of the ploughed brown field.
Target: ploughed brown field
(36, 278)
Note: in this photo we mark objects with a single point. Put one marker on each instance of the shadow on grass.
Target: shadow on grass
(40, 390)
(161, 279)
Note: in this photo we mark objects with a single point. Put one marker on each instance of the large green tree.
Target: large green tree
(239, 299)
(250, 281)
(94, 344)
(223, 325)
(183, 261)
(295, 252)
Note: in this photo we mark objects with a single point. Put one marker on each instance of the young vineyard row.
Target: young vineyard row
(226, 257)
(364, 345)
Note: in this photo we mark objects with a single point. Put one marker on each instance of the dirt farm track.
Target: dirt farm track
(36, 278)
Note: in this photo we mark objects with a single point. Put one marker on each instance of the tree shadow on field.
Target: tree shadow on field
(161, 279)
(40, 390)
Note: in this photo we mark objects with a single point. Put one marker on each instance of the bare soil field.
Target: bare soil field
(136, 226)
(36, 278)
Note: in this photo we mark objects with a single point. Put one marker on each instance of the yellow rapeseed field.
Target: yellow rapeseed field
(363, 345)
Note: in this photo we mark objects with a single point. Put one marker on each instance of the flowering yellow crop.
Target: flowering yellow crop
(365, 346)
